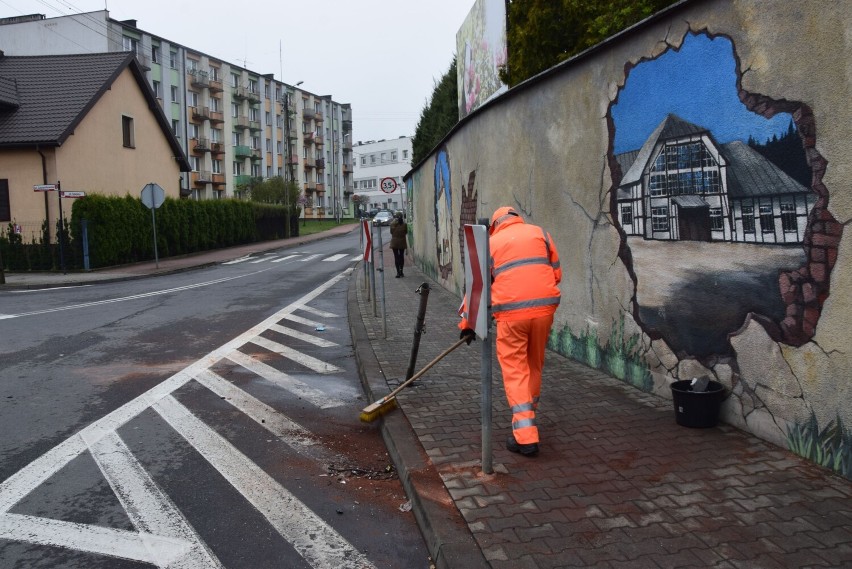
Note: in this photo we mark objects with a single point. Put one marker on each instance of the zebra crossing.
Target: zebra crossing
(162, 535)
(294, 257)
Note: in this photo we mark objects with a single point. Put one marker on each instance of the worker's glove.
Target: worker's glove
(468, 335)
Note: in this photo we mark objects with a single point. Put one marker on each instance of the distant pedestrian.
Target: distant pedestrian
(399, 242)
(525, 274)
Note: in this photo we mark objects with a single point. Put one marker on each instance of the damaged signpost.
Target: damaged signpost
(477, 277)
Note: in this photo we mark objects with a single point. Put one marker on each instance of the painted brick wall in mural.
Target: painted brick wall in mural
(720, 200)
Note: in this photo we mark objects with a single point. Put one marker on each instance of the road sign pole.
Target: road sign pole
(485, 371)
(61, 227)
(154, 225)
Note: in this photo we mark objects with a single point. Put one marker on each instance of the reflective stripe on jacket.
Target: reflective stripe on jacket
(525, 271)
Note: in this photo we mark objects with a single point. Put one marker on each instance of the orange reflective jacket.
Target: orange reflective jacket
(525, 270)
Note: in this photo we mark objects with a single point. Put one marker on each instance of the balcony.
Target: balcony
(309, 113)
(198, 78)
(346, 123)
(242, 180)
(318, 139)
(320, 163)
(310, 186)
(240, 93)
(217, 117)
(348, 190)
(320, 188)
(215, 85)
(202, 177)
(256, 154)
(308, 137)
(242, 151)
(218, 179)
(200, 113)
(318, 116)
(310, 163)
(217, 148)
(254, 125)
(347, 168)
(347, 144)
(293, 159)
(252, 96)
(293, 134)
(241, 121)
(200, 145)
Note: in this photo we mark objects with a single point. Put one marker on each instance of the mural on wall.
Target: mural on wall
(716, 203)
(443, 214)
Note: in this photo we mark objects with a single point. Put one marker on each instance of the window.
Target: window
(254, 114)
(193, 131)
(217, 166)
(363, 161)
(173, 60)
(235, 80)
(176, 127)
(238, 168)
(269, 145)
(748, 218)
(130, 44)
(372, 158)
(716, 219)
(660, 218)
(255, 142)
(253, 86)
(269, 171)
(393, 156)
(127, 132)
(255, 170)
(5, 204)
(158, 91)
(788, 217)
(266, 90)
(278, 146)
(191, 65)
(215, 135)
(405, 154)
(193, 99)
(237, 139)
(215, 104)
(155, 54)
(235, 110)
(214, 73)
(767, 220)
(384, 157)
(193, 163)
(268, 118)
(626, 215)
(174, 93)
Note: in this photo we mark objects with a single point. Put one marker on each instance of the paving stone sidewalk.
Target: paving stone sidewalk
(617, 482)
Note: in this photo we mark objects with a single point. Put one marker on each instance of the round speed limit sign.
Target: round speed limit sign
(388, 185)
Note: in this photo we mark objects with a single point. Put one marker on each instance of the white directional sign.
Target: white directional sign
(72, 194)
(45, 188)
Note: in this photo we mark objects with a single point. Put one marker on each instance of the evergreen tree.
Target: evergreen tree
(438, 116)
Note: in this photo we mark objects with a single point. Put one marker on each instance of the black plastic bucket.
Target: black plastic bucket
(697, 408)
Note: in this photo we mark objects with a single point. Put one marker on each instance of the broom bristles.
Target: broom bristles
(377, 409)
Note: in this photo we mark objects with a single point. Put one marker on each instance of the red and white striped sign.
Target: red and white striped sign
(367, 240)
(476, 271)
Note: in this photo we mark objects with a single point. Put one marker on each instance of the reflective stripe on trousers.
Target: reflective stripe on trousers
(520, 351)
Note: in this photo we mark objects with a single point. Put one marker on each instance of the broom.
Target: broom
(388, 402)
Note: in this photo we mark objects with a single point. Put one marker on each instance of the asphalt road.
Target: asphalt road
(202, 419)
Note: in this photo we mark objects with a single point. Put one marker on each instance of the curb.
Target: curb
(448, 538)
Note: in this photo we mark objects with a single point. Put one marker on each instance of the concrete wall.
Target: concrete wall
(767, 318)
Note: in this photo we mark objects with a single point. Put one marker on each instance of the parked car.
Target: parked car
(383, 218)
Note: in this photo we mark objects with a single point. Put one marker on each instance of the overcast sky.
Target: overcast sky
(381, 56)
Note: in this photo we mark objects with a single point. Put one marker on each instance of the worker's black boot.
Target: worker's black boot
(527, 450)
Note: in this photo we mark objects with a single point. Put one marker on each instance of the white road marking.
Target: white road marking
(156, 550)
(261, 260)
(148, 508)
(284, 258)
(320, 342)
(281, 379)
(335, 257)
(318, 312)
(310, 536)
(49, 289)
(300, 320)
(273, 421)
(240, 260)
(309, 362)
(133, 297)
(358, 257)
(120, 543)
(309, 258)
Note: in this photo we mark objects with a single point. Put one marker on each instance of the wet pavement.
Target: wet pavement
(617, 482)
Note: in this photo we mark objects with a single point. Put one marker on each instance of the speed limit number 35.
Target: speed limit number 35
(388, 185)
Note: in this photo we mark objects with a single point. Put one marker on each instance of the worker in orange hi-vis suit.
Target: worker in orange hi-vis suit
(525, 275)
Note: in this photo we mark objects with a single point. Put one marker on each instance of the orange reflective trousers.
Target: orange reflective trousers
(520, 351)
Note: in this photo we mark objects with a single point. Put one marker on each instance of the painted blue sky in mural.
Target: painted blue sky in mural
(697, 83)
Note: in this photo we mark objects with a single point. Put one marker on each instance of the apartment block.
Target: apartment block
(236, 125)
(375, 161)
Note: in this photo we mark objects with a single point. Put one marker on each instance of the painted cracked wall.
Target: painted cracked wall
(695, 176)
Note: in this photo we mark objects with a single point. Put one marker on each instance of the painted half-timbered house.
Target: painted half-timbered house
(682, 185)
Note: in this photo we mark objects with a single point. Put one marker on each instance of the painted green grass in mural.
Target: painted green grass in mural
(830, 447)
(618, 358)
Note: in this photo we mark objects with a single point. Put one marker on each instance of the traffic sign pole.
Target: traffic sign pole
(61, 228)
